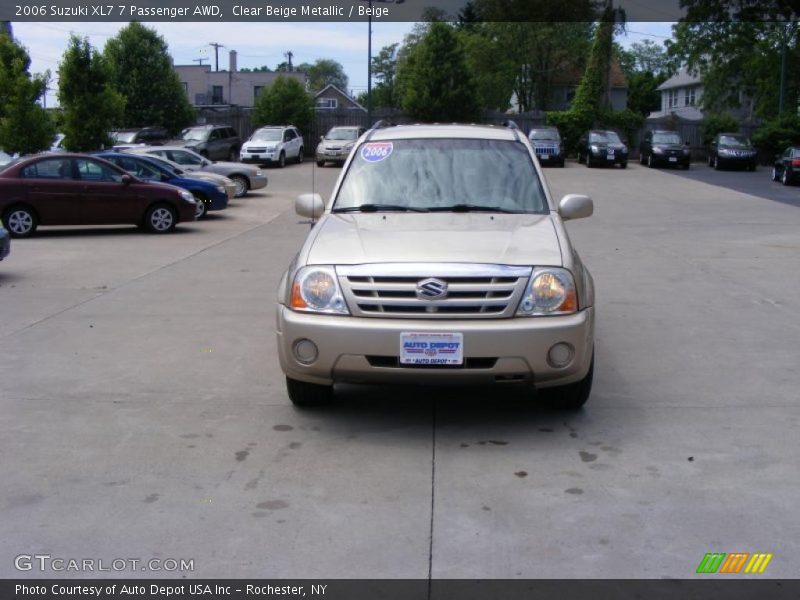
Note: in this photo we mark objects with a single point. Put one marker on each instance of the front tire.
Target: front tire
(589, 160)
(20, 221)
(300, 156)
(716, 164)
(785, 178)
(320, 163)
(650, 161)
(160, 218)
(201, 210)
(282, 160)
(572, 396)
(775, 176)
(623, 164)
(241, 185)
(308, 394)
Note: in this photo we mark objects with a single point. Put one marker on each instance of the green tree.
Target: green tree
(141, 70)
(541, 39)
(437, 86)
(492, 70)
(592, 93)
(737, 46)
(643, 94)
(324, 72)
(384, 70)
(90, 105)
(285, 101)
(24, 124)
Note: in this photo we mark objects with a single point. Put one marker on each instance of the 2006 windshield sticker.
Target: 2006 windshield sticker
(376, 151)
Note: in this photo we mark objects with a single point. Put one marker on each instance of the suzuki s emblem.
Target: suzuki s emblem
(431, 289)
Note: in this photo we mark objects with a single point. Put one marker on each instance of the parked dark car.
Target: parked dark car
(732, 150)
(547, 144)
(149, 136)
(208, 195)
(787, 166)
(5, 243)
(601, 147)
(215, 142)
(75, 189)
(664, 148)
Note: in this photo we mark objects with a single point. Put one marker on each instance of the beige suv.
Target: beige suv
(440, 257)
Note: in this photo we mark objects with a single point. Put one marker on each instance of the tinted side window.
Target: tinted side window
(90, 170)
(57, 168)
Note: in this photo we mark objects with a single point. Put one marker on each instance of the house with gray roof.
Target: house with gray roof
(682, 97)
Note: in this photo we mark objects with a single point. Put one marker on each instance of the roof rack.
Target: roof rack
(379, 124)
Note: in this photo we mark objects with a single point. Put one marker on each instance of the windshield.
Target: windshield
(437, 174)
(544, 134)
(667, 138)
(197, 134)
(338, 133)
(123, 137)
(267, 135)
(604, 137)
(734, 141)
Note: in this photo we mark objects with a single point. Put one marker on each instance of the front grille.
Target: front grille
(550, 150)
(254, 150)
(474, 291)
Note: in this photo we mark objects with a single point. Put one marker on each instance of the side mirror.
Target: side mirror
(309, 205)
(126, 179)
(575, 206)
(321, 138)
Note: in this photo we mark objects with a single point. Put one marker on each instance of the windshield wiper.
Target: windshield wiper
(378, 208)
(471, 208)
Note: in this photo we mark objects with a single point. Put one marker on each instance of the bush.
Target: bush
(775, 135)
(714, 124)
(626, 122)
(571, 124)
(284, 102)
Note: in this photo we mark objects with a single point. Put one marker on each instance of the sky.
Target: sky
(256, 44)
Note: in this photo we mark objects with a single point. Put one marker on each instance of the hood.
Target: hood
(435, 237)
(670, 146)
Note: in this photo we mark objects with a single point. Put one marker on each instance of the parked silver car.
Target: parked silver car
(335, 146)
(465, 275)
(245, 177)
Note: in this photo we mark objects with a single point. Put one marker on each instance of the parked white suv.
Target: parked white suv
(273, 144)
(440, 257)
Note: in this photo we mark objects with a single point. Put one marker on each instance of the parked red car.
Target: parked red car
(74, 189)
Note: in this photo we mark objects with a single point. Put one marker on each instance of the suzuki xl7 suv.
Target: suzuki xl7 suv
(440, 257)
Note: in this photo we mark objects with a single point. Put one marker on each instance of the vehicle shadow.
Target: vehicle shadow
(102, 232)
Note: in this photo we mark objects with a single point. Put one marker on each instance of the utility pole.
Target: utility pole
(783, 70)
(289, 55)
(199, 60)
(216, 47)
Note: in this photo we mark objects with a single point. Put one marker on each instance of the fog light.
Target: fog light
(560, 355)
(305, 351)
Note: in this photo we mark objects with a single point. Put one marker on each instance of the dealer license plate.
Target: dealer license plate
(673, 159)
(544, 156)
(431, 348)
(611, 155)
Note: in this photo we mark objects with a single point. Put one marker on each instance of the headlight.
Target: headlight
(315, 289)
(723, 152)
(595, 148)
(657, 150)
(259, 173)
(220, 189)
(551, 292)
(187, 196)
(624, 148)
(687, 151)
(349, 146)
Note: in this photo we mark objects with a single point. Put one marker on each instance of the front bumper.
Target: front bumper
(365, 350)
(259, 158)
(258, 181)
(550, 158)
(617, 158)
(338, 156)
(218, 201)
(745, 162)
(671, 159)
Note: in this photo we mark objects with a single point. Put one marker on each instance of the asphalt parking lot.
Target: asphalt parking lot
(143, 413)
